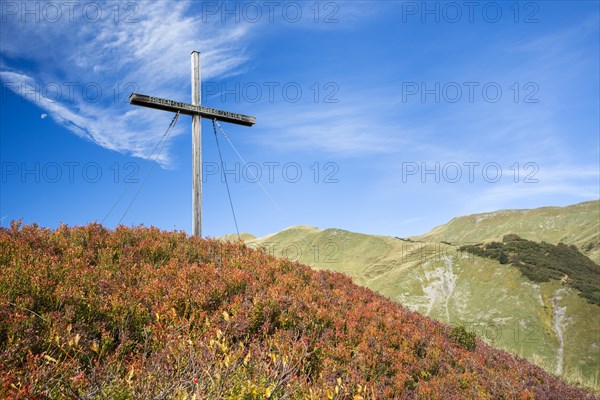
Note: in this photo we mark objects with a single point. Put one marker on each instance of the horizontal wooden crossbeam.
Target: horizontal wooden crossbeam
(189, 109)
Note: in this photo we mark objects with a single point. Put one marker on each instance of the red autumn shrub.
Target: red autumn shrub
(140, 313)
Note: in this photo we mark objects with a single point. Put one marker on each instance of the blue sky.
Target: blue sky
(381, 117)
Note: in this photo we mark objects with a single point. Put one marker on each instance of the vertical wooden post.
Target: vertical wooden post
(196, 149)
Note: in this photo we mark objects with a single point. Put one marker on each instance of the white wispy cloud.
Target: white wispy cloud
(547, 134)
(341, 130)
(148, 55)
(147, 50)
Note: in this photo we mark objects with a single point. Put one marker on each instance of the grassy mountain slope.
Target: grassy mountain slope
(140, 313)
(549, 323)
(355, 254)
(577, 224)
(245, 236)
(542, 262)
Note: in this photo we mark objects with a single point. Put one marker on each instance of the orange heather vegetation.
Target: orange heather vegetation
(90, 313)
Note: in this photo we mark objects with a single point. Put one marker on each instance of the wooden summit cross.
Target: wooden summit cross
(197, 112)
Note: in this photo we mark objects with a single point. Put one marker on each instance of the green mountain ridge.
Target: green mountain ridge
(577, 224)
(548, 323)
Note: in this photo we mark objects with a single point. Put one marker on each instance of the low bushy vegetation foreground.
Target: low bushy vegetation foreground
(143, 314)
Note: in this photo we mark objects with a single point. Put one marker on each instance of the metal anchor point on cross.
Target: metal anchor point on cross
(197, 112)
